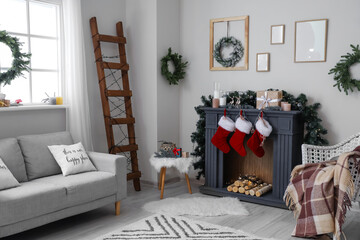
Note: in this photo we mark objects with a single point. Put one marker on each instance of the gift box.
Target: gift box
(268, 99)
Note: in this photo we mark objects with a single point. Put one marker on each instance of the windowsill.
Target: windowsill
(32, 107)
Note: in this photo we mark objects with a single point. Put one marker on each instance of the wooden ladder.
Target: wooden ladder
(125, 92)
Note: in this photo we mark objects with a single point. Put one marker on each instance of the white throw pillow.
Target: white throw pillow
(7, 179)
(72, 159)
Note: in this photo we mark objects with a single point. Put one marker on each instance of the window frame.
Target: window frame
(60, 47)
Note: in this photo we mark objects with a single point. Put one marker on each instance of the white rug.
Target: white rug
(168, 227)
(197, 205)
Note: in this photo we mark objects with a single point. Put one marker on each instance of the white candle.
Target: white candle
(223, 101)
(216, 94)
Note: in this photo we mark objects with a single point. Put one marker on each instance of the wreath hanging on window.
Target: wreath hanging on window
(179, 72)
(20, 62)
(235, 55)
(342, 74)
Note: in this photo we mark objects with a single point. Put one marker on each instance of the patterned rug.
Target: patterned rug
(164, 227)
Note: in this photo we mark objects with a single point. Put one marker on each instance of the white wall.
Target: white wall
(339, 112)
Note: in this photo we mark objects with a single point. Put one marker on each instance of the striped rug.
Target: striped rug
(164, 227)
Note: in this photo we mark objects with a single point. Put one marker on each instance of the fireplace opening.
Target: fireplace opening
(236, 166)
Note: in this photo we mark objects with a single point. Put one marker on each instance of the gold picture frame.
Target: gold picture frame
(245, 42)
(263, 62)
(310, 43)
(277, 34)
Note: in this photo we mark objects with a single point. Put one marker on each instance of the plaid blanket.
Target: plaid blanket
(319, 195)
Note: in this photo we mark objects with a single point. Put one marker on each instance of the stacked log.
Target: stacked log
(249, 185)
(263, 190)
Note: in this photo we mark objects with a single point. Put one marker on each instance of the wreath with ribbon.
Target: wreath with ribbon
(179, 72)
(342, 74)
(235, 55)
(20, 62)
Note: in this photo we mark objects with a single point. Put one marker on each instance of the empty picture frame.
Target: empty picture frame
(277, 34)
(263, 62)
(237, 27)
(310, 40)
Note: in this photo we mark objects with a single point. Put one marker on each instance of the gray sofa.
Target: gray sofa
(45, 195)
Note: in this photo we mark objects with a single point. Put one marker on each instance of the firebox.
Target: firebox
(282, 154)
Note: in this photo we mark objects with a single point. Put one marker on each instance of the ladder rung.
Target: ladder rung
(129, 120)
(108, 38)
(133, 175)
(119, 93)
(113, 65)
(126, 148)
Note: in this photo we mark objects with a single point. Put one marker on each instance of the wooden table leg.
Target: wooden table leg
(188, 183)
(160, 177)
(162, 182)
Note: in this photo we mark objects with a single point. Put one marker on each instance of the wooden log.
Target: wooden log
(241, 190)
(247, 192)
(237, 183)
(235, 189)
(253, 191)
(230, 187)
(263, 190)
(252, 185)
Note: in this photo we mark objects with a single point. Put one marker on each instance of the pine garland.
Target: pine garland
(179, 72)
(20, 62)
(313, 127)
(342, 74)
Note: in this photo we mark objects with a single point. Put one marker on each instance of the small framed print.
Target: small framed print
(277, 34)
(263, 62)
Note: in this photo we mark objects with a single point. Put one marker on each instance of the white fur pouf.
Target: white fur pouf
(181, 164)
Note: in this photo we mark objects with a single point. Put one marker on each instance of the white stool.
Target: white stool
(181, 164)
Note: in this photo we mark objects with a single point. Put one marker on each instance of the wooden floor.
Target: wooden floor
(263, 221)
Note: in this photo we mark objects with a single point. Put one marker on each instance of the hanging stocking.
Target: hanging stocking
(243, 127)
(226, 126)
(263, 130)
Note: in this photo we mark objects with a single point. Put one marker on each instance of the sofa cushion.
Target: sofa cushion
(29, 200)
(39, 161)
(83, 187)
(10, 153)
(7, 180)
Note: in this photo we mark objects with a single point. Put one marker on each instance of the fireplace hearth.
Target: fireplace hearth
(282, 153)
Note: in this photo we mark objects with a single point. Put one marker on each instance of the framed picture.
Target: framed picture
(263, 62)
(277, 34)
(310, 40)
(229, 44)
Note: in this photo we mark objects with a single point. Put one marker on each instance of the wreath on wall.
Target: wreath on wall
(342, 74)
(235, 55)
(179, 72)
(20, 62)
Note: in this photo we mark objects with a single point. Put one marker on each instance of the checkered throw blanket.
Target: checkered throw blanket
(319, 194)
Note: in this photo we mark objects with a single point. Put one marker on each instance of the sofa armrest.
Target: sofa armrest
(115, 164)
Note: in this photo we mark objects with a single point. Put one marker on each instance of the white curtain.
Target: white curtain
(75, 92)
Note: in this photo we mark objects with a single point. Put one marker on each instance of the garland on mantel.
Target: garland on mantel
(313, 127)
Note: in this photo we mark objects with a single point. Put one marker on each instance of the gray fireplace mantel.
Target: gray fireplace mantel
(287, 136)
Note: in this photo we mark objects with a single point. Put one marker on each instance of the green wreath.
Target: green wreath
(235, 55)
(341, 71)
(179, 72)
(20, 62)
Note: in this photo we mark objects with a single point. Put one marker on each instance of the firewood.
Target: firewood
(230, 187)
(263, 190)
(235, 189)
(250, 186)
(253, 191)
(237, 183)
(247, 192)
(241, 190)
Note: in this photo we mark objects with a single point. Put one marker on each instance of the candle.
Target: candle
(215, 102)
(216, 94)
(287, 107)
(222, 101)
(282, 105)
(59, 101)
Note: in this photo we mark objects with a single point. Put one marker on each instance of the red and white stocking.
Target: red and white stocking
(226, 126)
(263, 130)
(243, 127)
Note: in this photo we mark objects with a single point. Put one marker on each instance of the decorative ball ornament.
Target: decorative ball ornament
(179, 72)
(235, 55)
(20, 62)
(342, 74)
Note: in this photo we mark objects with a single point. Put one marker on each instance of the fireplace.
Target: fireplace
(282, 153)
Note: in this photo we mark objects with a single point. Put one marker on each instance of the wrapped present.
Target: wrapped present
(177, 152)
(268, 99)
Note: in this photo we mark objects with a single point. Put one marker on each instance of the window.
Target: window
(37, 25)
